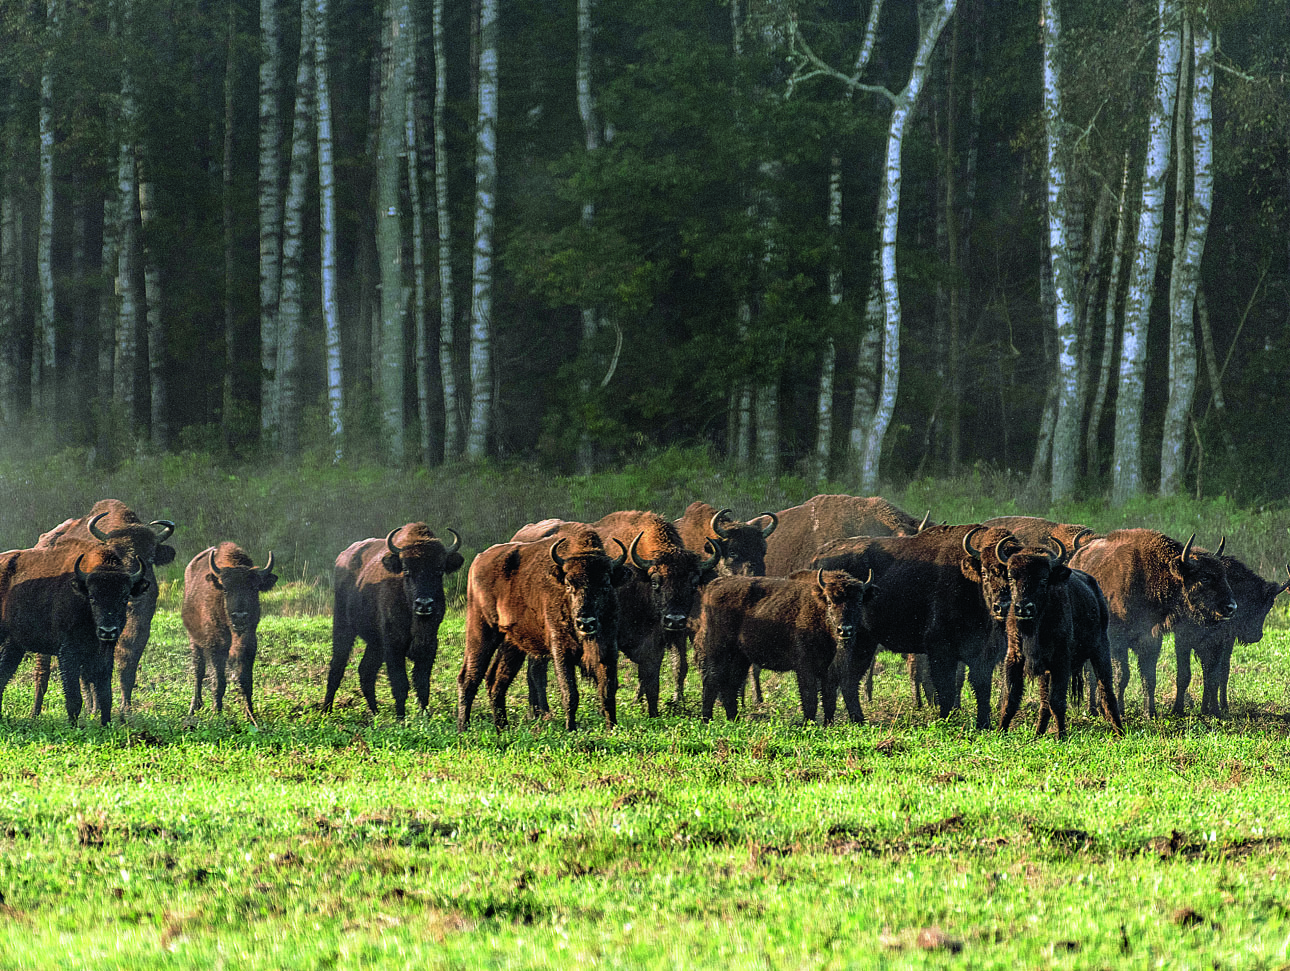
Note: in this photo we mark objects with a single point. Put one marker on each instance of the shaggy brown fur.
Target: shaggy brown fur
(804, 529)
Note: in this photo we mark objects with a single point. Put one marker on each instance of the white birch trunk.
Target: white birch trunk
(327, 231)
(107, 314)
(868, 365)
(481, 308)
(1098, 403)
(1126, 468)
(270, 190)
(447, 304)
(44, 356)
(389, 231)
(127, 324)
(591, 142)
(291, 291)
(1187, 259)
(1065, 448)
(828, 356)
(932, 21)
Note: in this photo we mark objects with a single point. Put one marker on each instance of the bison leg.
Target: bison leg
(981, 678)
(808, 692)
(868, 681)
(481, 645)
(70, 675)
(342, 645)
(41, 679)
(421, 668)
(129, 649)
(679, 645)
(756, 680)
(607, 691)
(199, 675)
(502, 672)
(566, 678)
(1014, 683)
(396, 669)
(1100, 683)
(1045, 704)
(1148, 651)
(649, 670)
(1057, 682)
(535, 676)
(244, 657)
(1182, 654)
(10, 656)
(369, 666)
(1224, 672)
(219, 664)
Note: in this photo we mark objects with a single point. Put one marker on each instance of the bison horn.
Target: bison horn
(136, 575)
(998, 549)
(97, 533)
(167, 527)
(1285, 586)
(559, 561)
(716, 524)
(268, 567)
(623, 556)
(1079, 536)
(1061, 550)
(1221, 543)
(214, 568)
(774, 521)
(711, 561)
(80, 575)
(636, 560)
(968, 548)
(819, 578)
(389, 541)
(926, 518)
(456, 541)
(1187, 547)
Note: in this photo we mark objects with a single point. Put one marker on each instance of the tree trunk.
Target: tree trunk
(932, 20)
(10, 267)
(157, 413)
(107, 317)
(1126, 472)
(270, 189)
(1091, 447)
(481, 309)
(291, 292)
(1065, 464)
(828, 356)
(867, 373)
(327, 231)
(1215, 374)
(447, 304)
(591, 322)
(228, 410)
(421, 355)
(1188, 252)
(44, 359)
(127, 325)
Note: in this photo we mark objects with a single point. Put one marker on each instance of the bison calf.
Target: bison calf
(800, 623)
(221, 612)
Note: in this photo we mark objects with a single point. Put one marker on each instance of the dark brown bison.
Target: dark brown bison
(1057, 623)
(804, 529)
(654, 608)
(1213, 644)
(941, 593)
(390, 593)
(221, 612)
(112, 522)
(549, 600)
(1150, 581)
(71, 602)
(801, 623)
(1034, 531)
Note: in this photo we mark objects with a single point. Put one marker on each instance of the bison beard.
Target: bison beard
(70, 602)
(545, 600)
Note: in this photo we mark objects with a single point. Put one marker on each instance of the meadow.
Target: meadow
(336, 841)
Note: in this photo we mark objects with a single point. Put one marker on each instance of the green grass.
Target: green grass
(334, 842)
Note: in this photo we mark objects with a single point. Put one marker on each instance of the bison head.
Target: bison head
(844, 598)
(107, 587)
(241, 584)
(137, 541)
(674, 575)
(1204, 592)
(1254, 596)
(422, 563)
(1032, 572)
(588, 578)
(983, 565)
(742, 547)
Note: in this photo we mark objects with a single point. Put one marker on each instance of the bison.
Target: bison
(221, 611)
(802, 623)
(1151, 581)
(391, 595)
(942, 593)
(548, 600)
(71, 602)
(1213, 644)
(1034, 531)
(112, 522)
(1057, 623)
(804, 529)
(654, 609)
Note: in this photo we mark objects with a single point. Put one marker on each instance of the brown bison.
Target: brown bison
(1213, 644)
(942, 593)
(70, 602)
(1034, 531)
(221, 612)
(549, 600)
(1151, 581)
(802, 623)
(654, 608)
(112, 522)
(1057, 623)
(390, 593)
(804, 529)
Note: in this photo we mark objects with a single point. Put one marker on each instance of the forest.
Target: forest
(819, 237)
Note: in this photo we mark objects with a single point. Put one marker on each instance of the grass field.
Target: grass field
(331, 842)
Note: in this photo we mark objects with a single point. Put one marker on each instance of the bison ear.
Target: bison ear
(1059, 574)
(392, 562)
(971, 569)
(267, 582)
(213, 580)
(163, 555)
(453, 563)
(140, 588)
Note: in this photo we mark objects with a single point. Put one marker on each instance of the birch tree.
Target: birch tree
(327, 228)
(127, 323)
(1189, 244)
(10, 271)
(157, 411)
(1098, 403)
(1126, 468)
(420, 296)
(44, 364)
(228, 408)
(591, 142)
(481, 304)
(270, 212)
(443, 215)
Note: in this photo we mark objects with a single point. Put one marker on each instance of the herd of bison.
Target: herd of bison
(815, 589)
